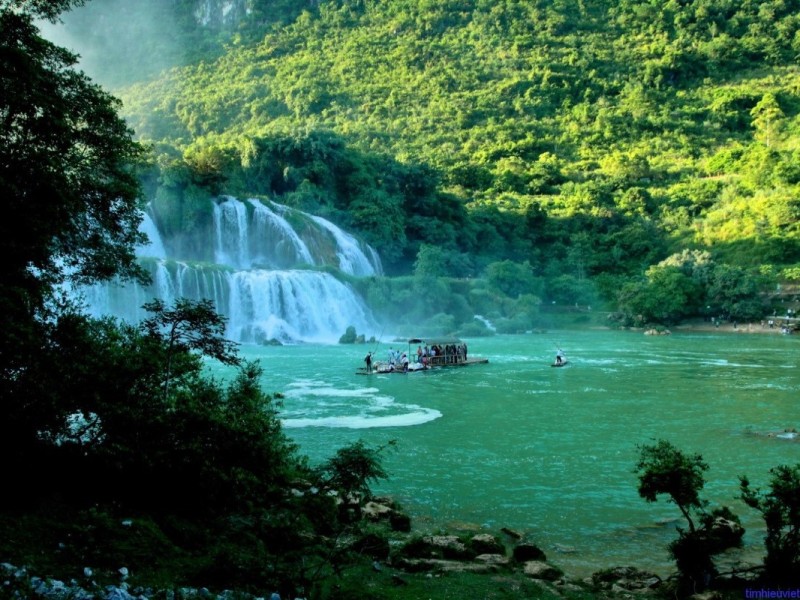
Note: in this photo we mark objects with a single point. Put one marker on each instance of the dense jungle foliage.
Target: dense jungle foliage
(534, 151)
(636, 155)
(118, 448)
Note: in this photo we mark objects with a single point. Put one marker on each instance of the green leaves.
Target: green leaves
(779, 506)
(191, 326)
(662, 469)
(351, 470)
(67, 168)
(46, 9)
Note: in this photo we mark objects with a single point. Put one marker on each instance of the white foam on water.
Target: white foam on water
(330, 392)
(769, 386)
(314, 403)
(416, 417)
(514, 359)
(604, 361)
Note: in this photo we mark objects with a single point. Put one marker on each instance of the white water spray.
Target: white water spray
(254, 284)
(155, 247)
(351, 257)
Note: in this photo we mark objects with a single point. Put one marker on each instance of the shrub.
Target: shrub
(780, 508)
(662, 469)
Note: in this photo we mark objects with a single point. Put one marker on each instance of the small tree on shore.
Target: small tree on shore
(663, 469)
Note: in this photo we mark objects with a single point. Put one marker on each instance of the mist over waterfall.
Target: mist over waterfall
(260, 263)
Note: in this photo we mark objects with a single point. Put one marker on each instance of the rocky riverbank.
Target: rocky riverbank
(397, 563)
(509, 554)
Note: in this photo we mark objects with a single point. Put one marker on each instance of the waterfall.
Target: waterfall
(287, 305)
(489, 325)
(155, 247)
(230, 227)
(259, 234)
(253, 281)
(351, 257)
(277, 242)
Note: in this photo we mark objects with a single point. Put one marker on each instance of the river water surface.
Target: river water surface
(550, 452)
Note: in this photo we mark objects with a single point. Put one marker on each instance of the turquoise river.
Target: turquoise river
(550, 452)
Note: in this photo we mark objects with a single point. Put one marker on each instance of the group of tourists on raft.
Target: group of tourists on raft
(435, 354)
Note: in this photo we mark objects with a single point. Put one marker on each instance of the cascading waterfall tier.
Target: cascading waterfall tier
(265, 234)
(254, 279)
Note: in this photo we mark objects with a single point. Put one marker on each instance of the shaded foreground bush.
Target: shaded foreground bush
(139, 459)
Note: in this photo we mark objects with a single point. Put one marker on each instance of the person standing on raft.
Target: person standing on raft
(559, 357)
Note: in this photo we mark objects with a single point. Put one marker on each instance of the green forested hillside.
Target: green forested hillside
(584, 141)
(499, 155)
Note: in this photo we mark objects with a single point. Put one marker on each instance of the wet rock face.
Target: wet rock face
(536, 569)
(625, 578)
(726, 533)
(384, 510)
(484, 543)
(220, 14)
(526, 551)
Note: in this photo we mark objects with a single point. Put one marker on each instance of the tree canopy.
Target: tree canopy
(69, 186)
(67, 176)
(663, 469)
(779, 506)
